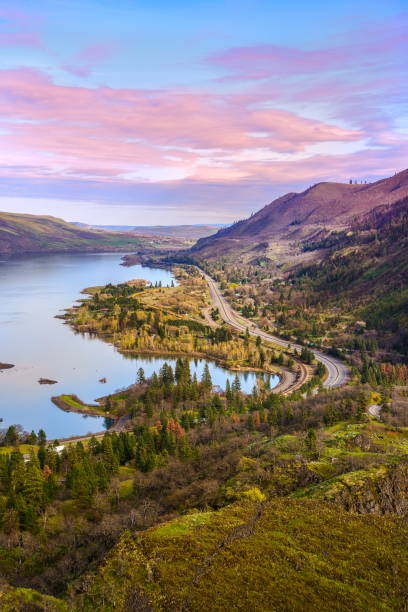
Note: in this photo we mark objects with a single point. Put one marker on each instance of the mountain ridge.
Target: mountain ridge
(25, 233)
(296, 216)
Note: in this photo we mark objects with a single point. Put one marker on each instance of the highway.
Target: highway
(337, 371)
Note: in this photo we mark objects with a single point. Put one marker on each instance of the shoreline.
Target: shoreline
(70, 402)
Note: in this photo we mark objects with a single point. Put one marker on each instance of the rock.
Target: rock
(47, 381)
(6, 366)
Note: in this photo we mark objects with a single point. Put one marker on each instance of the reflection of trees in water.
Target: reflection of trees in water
(107, 422)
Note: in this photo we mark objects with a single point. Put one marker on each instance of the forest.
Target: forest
(351, 300)
(188, 448)
(147, 517)
(175, 320)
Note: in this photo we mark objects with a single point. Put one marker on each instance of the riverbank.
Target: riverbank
(168, 321)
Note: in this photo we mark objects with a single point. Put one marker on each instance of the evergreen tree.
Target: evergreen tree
(206, 377)
(11, 437)
(140, 377)
(236, 385)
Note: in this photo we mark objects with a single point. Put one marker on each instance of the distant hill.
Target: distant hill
(297, 216)
(190, 232)
(34, 234)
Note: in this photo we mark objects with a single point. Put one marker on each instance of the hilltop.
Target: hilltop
(298, 216)
(35, 234)
(189, 232)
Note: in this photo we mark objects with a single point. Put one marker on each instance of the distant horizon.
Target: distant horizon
(77, 221)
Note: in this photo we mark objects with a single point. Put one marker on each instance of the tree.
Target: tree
(236, 385)
(140, 377)
(11, 437)
(311, 441)
(32, 438)
(206, 377)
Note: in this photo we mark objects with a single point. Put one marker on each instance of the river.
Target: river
(33, 290)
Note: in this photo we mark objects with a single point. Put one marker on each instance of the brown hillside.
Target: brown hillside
(299, 215)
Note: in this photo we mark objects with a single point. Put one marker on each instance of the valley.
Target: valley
(266, 397)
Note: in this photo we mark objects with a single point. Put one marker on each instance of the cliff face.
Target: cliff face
(386, 494)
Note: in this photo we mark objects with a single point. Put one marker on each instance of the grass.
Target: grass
(23, 448)
(126, 488)
(68, 399)
(72, 402)
(183, 525)
(20, 600)
(297, 555)
(329, 489)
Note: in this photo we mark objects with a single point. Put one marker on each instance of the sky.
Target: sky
(145, 112)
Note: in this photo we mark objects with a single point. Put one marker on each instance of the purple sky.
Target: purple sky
(136, 112)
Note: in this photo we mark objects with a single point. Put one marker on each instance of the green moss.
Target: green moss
(330, 488)
(24, 600)
(182, 525)
(298, 555)
(126, 487)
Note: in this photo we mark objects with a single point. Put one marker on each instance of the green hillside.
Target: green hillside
(34, 234)
(279, 555)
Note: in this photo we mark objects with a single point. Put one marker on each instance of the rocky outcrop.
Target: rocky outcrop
(384, 494)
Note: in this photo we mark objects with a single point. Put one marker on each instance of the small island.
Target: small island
(6, 366)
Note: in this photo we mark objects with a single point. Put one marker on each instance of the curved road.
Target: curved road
(337, 371)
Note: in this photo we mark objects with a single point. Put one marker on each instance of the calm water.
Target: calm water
(33, 290)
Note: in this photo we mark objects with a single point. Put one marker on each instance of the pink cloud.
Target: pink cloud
(18, 30)
(89, 58)
(80, 71)
(377, 46)
(97, 53)
(20, 39)
(128, 135)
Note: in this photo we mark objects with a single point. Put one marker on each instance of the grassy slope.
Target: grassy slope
(295, 553)
(278, 555)
(26, 600)
(31, 233)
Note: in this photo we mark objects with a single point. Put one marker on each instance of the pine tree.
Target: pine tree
(42, 438)
(236, 385)
(206, 377)
(140, 377)
(11, 437)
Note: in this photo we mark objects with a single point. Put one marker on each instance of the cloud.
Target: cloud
(281, 118)
(20, 39)
(66, 129)
(17, 30)
(367, 49)
(89, 58)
